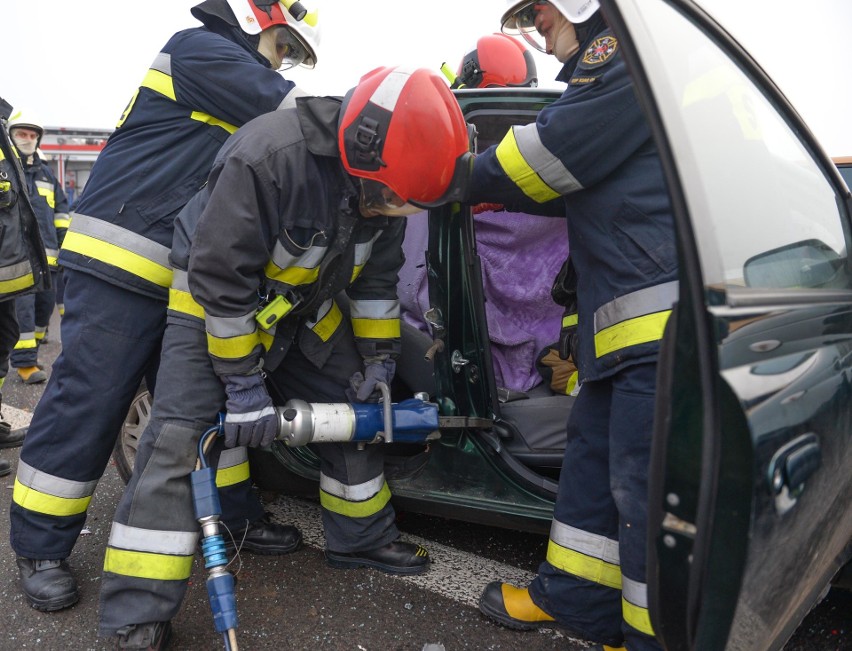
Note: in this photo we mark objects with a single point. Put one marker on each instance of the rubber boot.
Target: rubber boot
(48, 585)
(512, 607)
(32, 375)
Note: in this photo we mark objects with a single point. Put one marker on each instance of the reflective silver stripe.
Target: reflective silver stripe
(634, 591)
(223, 327)
(249, 417)
(180, 280)
(638, 303)
(51, 253)
(163, 63)
(155, 541)
(590, 544)
(374, 309)
(363, 250)
(322, 312)
(44, 185)
(309, 259)
(289, 100)
(120, 237)
(546, 165)
(232, 457)
(53, 485)
(354, 493)
(17, 270)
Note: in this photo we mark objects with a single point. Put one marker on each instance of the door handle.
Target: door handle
(790, 467)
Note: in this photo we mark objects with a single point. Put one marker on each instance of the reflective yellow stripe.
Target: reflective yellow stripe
(232, 475)
(569, 320)
(33, 500)
(586, 567)
(519, 171)
(356, 271)
(292, 276)
(26, 343)
(214, 122)
(356, 509)
(16, 284)
(159, 82)
(48, 195)
(118, 257)
(637, 617)
(376, 328)
(327, 325)
(61, 222)
(640, 330)
(232, 347)
(181, 301)
(146, 565)
(572, 383)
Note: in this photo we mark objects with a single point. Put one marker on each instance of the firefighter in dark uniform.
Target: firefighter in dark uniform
(300, 205)
(594, 148)
(23, 264)
(205, 83)
(51, 207)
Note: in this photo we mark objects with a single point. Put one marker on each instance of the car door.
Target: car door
(751, 478)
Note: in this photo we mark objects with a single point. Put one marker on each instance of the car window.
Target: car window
(759, 203)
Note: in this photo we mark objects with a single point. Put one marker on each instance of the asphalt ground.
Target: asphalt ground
(298, 602)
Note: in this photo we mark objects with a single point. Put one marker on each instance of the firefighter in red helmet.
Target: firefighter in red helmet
(497, 60)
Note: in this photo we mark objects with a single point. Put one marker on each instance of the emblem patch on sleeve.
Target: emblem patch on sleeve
(599, 52)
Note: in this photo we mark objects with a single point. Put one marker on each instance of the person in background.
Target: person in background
(254, 294)
(23, 263)
(593, 147)
(51, 208)
(202, 86)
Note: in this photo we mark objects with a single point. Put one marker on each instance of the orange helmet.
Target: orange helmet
(404, 130)
(497, 60)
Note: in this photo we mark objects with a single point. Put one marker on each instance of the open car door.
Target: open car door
(751, 486)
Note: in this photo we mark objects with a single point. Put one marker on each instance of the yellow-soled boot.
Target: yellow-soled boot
(512, 607)
(604, 647)
(32, 375)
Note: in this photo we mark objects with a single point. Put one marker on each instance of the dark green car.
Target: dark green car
(751, 478)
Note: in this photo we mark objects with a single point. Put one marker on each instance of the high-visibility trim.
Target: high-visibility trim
(520, 172)
(569, 320)
(293, 270)
(159, 77)
(634, 605)
(232, 337)
(249, 416)
(16, 277)
(61, 220)
(354, 492)
(375, 319)
(38, 502)
(572, 383)
(206, 118)
(231, 326)
(52, 256)
(40, 331)
(587, 555)
(353, 509)
(26, 340)
(547, 166)
(371, 309)
(233, 467)
(46, 190)
(329, 318)
(59, 486)
(363, 251)
(145, 565)
(119, 247)
(640, 330)
(180, 300)
(375, 329)
(156, 541)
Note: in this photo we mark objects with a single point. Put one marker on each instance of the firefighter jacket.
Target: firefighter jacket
(277, 228)
(23, 265)
(201, 87)
(594, 148)
(50, 205)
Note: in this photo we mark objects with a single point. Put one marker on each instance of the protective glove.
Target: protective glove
(251, 420)
(376, 369)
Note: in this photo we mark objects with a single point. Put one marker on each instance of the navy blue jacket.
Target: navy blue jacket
(50, 205)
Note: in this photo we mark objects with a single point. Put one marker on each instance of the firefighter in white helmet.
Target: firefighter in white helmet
(51, 207)
(593, 151)
(201, 87)
(361, 165)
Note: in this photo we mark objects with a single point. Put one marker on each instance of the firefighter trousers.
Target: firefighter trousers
(593, 580)
(8, 335)
(34, 312)
(111, 340)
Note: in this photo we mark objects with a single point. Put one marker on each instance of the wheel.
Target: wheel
(124, 453)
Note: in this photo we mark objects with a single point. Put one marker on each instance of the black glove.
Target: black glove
(363, 386)
(251, 420)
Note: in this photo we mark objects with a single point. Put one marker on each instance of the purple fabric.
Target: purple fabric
(521, 255)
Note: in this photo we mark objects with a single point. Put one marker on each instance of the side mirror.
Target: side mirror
(806, 264)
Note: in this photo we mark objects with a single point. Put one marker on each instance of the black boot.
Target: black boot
(10, 438)
(394, 558)
(152, 636)
(265, 537)
(5, 467)
(47, 584)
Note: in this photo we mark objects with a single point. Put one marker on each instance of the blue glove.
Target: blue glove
(363, 385)
(251, 420)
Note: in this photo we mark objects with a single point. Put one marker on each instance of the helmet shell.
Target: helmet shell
(405, 130)
(26, 119)
(576, 11)
(497, 60)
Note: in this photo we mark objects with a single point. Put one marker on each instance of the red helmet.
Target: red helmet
(497, 60)
(404, 130)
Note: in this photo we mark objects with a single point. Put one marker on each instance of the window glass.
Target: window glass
(756, 197)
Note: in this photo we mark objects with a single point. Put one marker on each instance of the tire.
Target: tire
(124, 452)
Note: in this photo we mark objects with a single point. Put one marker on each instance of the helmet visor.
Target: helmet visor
(379, 199)
(289, 48)
(523, 22)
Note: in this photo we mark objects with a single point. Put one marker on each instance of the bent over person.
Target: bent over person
(300, 205)
(593, 148)
(205, 83)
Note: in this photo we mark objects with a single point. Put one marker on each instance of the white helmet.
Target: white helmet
(519, 18)
(253, 16)
(29, 121)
